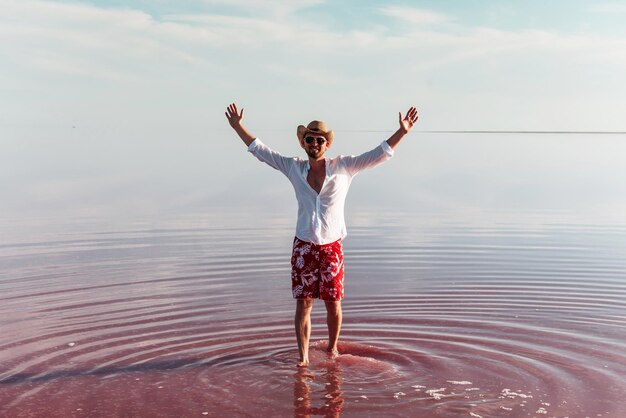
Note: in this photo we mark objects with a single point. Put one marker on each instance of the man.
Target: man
(321, 185)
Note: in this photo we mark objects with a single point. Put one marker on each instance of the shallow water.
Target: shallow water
(450, 315)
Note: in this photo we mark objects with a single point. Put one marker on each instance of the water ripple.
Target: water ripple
(460, 321)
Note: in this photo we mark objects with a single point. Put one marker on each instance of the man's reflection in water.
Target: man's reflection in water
(331, 402)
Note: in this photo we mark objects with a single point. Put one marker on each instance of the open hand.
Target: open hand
(409, 120)
(234, 118)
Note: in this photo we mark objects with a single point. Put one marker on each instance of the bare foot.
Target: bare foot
(333, 352)
(303, 363)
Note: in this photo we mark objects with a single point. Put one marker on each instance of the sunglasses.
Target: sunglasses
(319, 139)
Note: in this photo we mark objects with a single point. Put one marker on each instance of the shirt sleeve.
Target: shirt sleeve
(369, 159)
(272, 158)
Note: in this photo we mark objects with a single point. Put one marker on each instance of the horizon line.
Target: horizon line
(470, 131)
(494, 131)
(525, 132)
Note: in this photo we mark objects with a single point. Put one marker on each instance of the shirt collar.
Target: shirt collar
(307, 166)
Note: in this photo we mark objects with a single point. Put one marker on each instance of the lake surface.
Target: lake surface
(447, 314)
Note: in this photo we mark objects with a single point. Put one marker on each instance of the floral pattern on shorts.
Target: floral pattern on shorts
(317, 270)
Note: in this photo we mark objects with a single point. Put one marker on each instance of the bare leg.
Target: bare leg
(333, 320)
(303, 329)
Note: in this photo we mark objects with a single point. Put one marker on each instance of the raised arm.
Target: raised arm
(234, 119)
(406, 125)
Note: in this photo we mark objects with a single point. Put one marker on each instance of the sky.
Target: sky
(121, 103)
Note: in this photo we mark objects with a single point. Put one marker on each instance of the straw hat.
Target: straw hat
(317, 127)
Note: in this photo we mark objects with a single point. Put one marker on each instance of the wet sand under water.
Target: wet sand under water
(194, 318)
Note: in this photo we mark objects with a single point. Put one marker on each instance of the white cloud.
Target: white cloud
(416, 16)
(607, 8)
(311, 72)
(229, 30)
(244, 51)
(85, 40)
(76, 13)
(278, 8)
(78, 67)
(117, 38)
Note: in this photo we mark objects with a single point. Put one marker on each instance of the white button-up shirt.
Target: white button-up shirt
(321, 216)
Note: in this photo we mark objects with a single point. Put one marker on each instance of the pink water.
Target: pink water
(445, 316)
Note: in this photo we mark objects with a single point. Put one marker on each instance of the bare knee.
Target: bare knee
(333, 307)
(304, 305)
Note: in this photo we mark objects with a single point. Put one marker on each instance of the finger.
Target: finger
(241, 114)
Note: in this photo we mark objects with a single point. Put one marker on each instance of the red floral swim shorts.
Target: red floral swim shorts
(317, 270)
